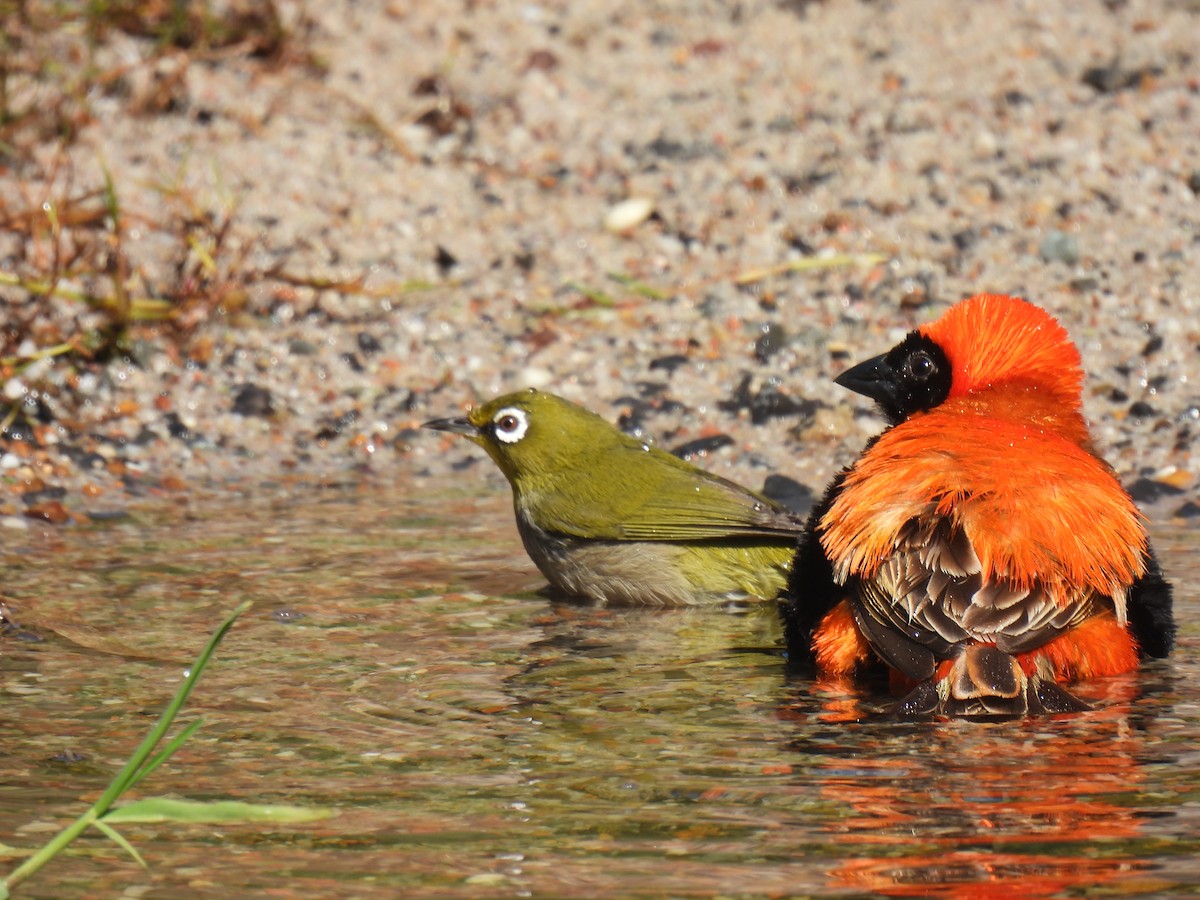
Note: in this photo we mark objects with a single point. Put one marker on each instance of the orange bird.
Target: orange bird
(979, 549)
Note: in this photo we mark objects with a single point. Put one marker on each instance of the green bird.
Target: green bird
(609, 519)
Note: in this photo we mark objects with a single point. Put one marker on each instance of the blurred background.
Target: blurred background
(246, 239)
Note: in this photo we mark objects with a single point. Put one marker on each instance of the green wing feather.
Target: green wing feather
(663, 499)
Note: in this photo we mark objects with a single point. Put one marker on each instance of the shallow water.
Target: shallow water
(480, 740)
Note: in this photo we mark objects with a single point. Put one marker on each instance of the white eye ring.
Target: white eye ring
(510, 424)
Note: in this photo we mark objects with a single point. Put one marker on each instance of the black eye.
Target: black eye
(919, 366)
(507, 423)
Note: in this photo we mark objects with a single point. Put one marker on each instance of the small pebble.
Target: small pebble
(772, 338)
(1058, 246)
(252, 400)
(628, 214)
(1189, 510)
(51, 511)
(1148, 490)
(701, 446)
(788, 491)
(486, 879)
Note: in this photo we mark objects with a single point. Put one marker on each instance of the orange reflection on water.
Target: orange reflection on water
(1032, 808)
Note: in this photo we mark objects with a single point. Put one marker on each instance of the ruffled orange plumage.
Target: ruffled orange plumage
(979, 547)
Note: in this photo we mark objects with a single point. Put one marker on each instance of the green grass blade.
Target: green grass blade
(649, 291)
(811, 263)
(112, 205)
(220, 812)
(117, 838)
(125, 778)
(129, 774)
(596, 295)
(166, 752)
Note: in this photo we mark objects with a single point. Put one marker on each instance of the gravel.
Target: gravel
(688, 216)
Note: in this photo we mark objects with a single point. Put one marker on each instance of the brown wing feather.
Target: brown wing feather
(930, 594)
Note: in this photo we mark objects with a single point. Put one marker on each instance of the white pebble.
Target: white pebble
(628, 214)
(14, 389)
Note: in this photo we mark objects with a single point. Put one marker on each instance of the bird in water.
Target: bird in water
(979, 548)
(610, 519)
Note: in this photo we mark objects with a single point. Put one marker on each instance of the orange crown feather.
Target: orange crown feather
(994, 338)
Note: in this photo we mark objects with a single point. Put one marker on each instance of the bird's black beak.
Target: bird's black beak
(873, 378)
(460, 425)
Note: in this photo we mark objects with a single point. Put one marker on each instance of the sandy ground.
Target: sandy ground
(427, 216)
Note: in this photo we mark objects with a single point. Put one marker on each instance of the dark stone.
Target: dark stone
(368, 343)
(177, 429)
(768, 402)
(633, 420)
(108, 515)
(702, 446)
(965, 239)
(1140, 409)
(430, 86)
(445, 259)
(1112, 77)
(668, 149)
(91, 461)
(799, 244)
(334, 427)
(772, 403)
(741, 396)
(405, 439)
(17, 430)
(53, 492)
(802, 184)
(670, 363)
(772, 338)
(1147, 490)
(651, 389)
(1189, 510)
(677, 151)
(252, 400)
(789, 492)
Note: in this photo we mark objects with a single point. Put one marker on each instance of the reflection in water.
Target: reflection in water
(482, 740)
(1036, 808)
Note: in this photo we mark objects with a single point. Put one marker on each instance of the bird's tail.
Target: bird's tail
(985, 681)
